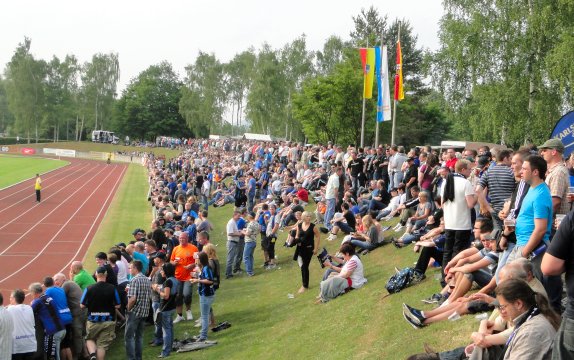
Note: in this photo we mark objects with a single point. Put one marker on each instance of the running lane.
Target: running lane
(41, 239)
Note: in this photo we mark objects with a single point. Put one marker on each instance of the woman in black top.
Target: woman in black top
(167, 295)
(307, 238)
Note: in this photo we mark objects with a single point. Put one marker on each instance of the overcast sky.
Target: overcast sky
(147, 32)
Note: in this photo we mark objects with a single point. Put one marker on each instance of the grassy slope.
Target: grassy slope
(267, 324)
(129, 210)
(14, 169)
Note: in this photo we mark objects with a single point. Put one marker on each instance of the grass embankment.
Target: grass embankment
(128, 210)
(266, 324)
(14, 168)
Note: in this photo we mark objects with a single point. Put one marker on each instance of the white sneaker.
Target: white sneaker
(332, 237)
(177, 319)
(189, 315)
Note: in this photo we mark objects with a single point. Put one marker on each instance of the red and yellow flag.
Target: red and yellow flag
(369, 73)
(399, 91)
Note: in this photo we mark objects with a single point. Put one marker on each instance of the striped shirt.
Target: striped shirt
(499, 180)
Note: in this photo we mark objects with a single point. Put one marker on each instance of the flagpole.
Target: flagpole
(363, 115)
(395, 102)
(376, 116)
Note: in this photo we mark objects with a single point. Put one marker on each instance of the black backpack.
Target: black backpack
(399, 281)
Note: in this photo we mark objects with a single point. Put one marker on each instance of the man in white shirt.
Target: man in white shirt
(6, 331)
(24, 334)
(331, 192)
(233, 235)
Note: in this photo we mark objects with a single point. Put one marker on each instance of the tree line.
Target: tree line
(503, 73)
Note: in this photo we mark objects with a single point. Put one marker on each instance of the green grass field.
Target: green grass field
(14, 168)
(266, 324)
(90, 146)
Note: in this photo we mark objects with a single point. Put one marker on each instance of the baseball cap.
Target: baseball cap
(121, 244)
(553, 144)
(101, 270)
(138, 230)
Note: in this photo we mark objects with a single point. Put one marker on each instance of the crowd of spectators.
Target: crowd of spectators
(485, 217)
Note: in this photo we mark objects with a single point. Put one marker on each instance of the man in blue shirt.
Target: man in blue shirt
(534, 221)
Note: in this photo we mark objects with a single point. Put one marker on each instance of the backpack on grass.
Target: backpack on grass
(399, 280)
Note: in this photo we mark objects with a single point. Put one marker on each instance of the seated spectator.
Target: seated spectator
(408, 208)
(348, 277)
(475, 303)
(344, 222)
(368, 239)
(397, 197)
(419, 219)
(433, 222)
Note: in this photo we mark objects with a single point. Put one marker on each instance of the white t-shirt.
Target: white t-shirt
(332, 187)
(357, 277)
(457, 213)
(276, 186)
(232, 228)
(122, 272)
(24, 335)
(6, 331)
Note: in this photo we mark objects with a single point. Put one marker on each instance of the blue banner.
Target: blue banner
(564, 130)
(378, 72)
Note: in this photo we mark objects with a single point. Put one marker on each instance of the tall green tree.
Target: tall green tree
(60, 85)
(149, 106)
(99, 80)
(297, 64)
(267, 99)
(24, 78)
(331, 55)
(6, 117)
(203, 95)
(492, 68)
(239, 77)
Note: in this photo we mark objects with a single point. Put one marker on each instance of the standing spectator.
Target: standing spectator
(6, 331)
(451, 159)
(73, 296)
(182, 257)
(139, 303)
(156, 282)
(458, 199)
(498, 182)
(557, 260)
(80, 276)
(331, 194)
(45, 310)
(215, 267)
(233, 235)
(101, 299)
(206, 292)
(205, 190)
(272, 227)
(241, 224)
(64, 313)
(307, 238)
(534, 221)
(23, 338)
(38, 187)
(251, 232)
(557, 177)
(251, 188)
(102, 260)
(356, 170)
(167, 293)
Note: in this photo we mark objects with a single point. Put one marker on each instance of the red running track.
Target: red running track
(41, 239)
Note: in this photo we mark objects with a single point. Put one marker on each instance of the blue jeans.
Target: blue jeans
(205, 201)
(134, 336)
(248, 251)
(57, 339)
(250, 202)
(167, 328)
(329, 212)
(362, 244)
(205, 303)
(232, 247)
(157, 334)
(504, 259)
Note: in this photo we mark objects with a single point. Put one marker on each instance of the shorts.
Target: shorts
(477, 306)
(481, 277)
(102, 333)
(264, 242)
(67, 340)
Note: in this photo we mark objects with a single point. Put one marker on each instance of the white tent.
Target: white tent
(258, 137)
